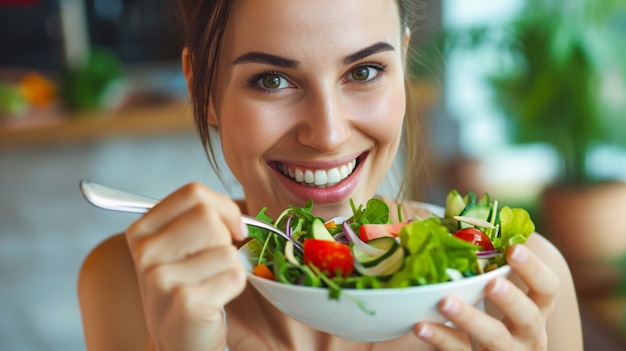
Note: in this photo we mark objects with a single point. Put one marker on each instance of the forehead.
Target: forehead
(310, 28)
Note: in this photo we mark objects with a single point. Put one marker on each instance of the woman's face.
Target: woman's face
(310, 100)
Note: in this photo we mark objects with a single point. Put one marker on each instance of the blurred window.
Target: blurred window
(137, 31)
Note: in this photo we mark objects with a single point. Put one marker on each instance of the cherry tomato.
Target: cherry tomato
(476, 237)
(368, 232)
(330, 257)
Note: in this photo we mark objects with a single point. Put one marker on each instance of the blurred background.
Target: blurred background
(523, 99)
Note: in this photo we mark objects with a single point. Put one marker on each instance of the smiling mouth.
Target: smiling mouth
(318, 178)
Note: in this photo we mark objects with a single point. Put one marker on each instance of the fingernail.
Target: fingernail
(450, 306)
(519, 254)
(499, 287)
(425, 332)
(244, 231)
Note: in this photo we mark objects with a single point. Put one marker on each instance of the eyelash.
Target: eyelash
(255, 81)
(380, 69)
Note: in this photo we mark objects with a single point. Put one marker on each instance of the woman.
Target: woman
(308, 91)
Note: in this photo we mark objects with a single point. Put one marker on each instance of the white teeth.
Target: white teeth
(319, 178)
(334, 176)
(299, 175)
(343, 171)
(309, 177)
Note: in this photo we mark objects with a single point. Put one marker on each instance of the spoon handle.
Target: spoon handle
(116, 200)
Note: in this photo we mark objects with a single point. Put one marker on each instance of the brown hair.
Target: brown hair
(204, 25)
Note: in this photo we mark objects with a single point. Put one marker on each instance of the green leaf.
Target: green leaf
(367, 282)
(255, 246)
(376, 211)
(430, 250)
(283, 270)
(264, 217)
(515, 226)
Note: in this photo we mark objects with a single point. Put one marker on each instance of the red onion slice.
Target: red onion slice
(488, 254)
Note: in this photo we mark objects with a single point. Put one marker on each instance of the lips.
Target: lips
(324, 183)
(320, 178)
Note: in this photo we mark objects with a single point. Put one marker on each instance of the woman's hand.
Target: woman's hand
(188, 268)
(524, 325)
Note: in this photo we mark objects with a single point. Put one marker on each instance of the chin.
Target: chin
(328, 211)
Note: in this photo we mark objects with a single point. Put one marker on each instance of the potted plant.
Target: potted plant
(562, 82)
(565, 84)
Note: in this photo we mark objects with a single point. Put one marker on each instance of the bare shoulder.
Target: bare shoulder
(109, 298)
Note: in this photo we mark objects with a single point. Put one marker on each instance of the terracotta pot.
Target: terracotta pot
(588, 225)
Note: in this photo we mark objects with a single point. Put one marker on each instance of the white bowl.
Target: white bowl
(396, 311)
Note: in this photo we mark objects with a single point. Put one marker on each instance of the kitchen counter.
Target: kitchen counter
(143, 119)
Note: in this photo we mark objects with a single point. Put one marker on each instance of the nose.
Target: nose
(325, 123)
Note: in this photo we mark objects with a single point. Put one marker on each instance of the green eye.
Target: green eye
(360, 73)
(272, 82)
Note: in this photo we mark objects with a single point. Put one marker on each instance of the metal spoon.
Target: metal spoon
(116, 200)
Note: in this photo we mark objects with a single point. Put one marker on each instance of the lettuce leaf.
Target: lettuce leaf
(515, 227)
(430, 250)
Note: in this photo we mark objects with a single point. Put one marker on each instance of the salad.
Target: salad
(368, 251)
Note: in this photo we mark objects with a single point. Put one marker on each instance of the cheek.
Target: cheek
(385, 116)
(247, 132)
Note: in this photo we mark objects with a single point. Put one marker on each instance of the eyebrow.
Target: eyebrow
(261, 57)
(368, 51)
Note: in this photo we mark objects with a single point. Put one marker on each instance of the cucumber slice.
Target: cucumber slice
(388, 244)
(479, 211)
(470, 198)
(319, 231)
(454, 204)
(385, 267)
(485, 199)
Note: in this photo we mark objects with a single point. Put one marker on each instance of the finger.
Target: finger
(483, 328)
(212, 293)
(181, 201)
(442, 337)
(195, 269)
(523, 316)
(198, 229)
(542, 282)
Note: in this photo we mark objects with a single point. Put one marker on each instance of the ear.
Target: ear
(406, 41)
(188, 73)
(186, 61)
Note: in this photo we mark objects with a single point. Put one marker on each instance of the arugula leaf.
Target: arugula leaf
(264, 217)
(284, 271)
(299, 212)
(310, 278)
(260, 235)
(376, 211)
(367, 282)
(255, 246)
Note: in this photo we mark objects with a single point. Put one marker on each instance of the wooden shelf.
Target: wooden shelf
(161, 117)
